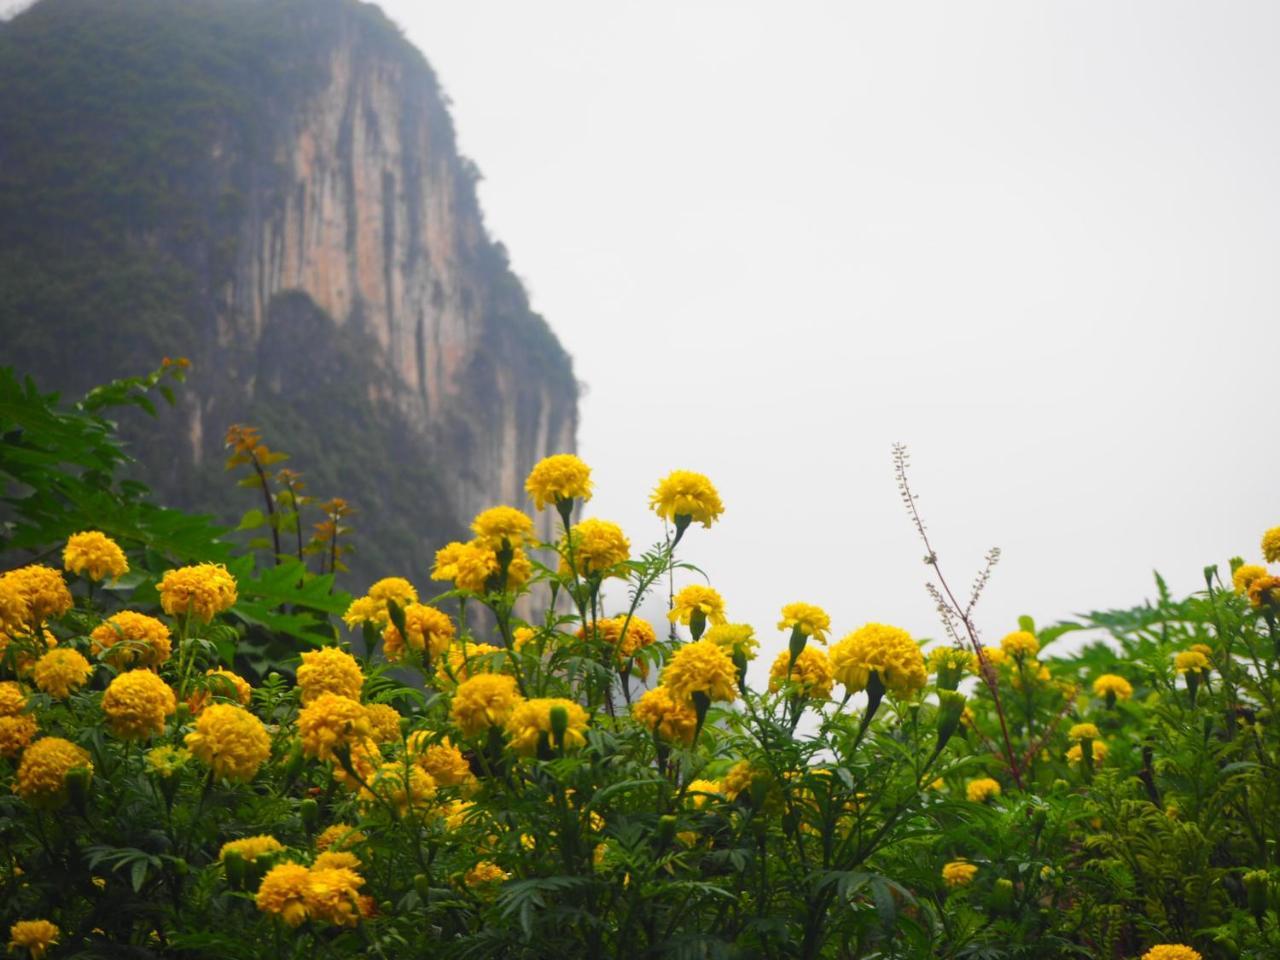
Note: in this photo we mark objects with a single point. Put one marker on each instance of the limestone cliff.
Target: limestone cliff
(272, 188)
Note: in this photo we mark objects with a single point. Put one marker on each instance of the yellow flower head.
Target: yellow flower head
(889, 651)
(329, 721)
(12, 700)
(14, 610)
(364, 758)
(1264, 591)
(167, 760)
(950, 658)
(1271, 545)
(131, 639)
(1083, 731)
(60, 671)
(1191, 661)
(222, 684)
(522, 637)
(338, 836)
(42, 772)
(41, 590)
(446, 565)
(532, 718)
(959, 873)
(332, 895)
(385, 721)
(231, 740)
(812, 621)
(34, 936)
(1171, 951)
(1020, 643)
(445, 762)
(683, 493)
(594, 547)
(811, 673)
(559, 477)
(403, 785)
(1099, 751)
(329, 670)
(465, 660)
(203, 591)
(700, 598)
(639, 634)
(497, 524)
(16, 731)
(483, 701)
(739, 778)
(701, 667)
(735, 638)
(475, 565)
(1114, 684)
(95, 555)
(671, 719)
(982, 790)
(700, 792)
(372, 608)
(251, 848)
(484, 873)
(136, 704)
(283, 892)
(339, 859)
(428, 629)
(993, 655)
(1244, 575)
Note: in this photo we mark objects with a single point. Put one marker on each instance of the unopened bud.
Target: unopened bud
(1002, 896)
(78, 779)
(310, 813)
(950, 710)
(559, 725)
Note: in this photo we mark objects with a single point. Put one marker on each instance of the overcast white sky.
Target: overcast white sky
(1036, 242)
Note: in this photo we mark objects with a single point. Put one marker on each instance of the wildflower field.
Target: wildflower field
(207, 750)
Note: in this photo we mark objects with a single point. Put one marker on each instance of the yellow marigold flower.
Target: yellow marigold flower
(532, 718)
(950, 658)
(203, 591)
(1171, 951)
(60, 671)
(697, 597)
(372, 607)
(497, 524)
(485, 872)
(403, 785)
(595, 547)
(483, 701)
(739, 778)
(364, 759)
(364, 610)
(702, 791)
(701, 667)
(639, 634)
(735, 638)
(385, 721)
(224, 684)
(812, 621)
(445, 762)
(95, 555)
(522, 637)
(332, 896)
(1100, 751)
(1244, 575)
(329, 670)
(1020, 643)
(337, 859)
(34, 936)
(477, 565)
(982, 790)
(1271, 545)
(959, 873)
(136, 704)
(251, 848)
(283, 892)
(41, 589)
(12, 700)
(167, 760)
(1083, 731)
(1202, 648)
(993, 655)
(889, 651)
(231, 740)
(42, 772)
(683, 493)
(1264, 590)
(671, 719)
(811, 673)
(339, 836)
(329, 721)
(16, 731)
(466, 660)
(446, 565)
(14, 609)
(559, 477)
(428, 629)
(457, 813)
(130, 639)
(1111, 683)
(1191, 661)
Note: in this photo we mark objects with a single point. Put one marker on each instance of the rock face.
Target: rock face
(279, 183)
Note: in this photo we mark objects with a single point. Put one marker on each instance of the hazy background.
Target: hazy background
(1036, 242)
